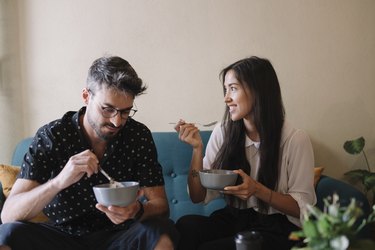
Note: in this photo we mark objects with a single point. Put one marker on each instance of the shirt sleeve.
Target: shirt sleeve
(300, 170)
(213, 146)
(37, 159)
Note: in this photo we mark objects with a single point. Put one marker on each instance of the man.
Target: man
(62, 164)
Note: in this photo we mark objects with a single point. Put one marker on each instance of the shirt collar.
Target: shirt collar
(249, 142)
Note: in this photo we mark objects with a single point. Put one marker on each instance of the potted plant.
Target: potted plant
(363, 176)
(335, 228)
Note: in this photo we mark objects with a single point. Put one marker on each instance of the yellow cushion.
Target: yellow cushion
(8, 175)
(317, 174)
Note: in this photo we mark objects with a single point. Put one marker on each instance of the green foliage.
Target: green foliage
(335, 228)
(355, 146)
(363, 176)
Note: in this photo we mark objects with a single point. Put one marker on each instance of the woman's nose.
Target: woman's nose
(227, 98)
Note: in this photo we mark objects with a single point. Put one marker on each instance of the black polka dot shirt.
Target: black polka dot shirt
(130, 156)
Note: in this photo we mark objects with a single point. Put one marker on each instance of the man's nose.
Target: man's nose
(117, 119)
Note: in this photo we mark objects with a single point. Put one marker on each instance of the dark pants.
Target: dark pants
(217, 231)
(39, 236)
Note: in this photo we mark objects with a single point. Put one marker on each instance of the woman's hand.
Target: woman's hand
(245, 190)
(189, 133)
(282, 202)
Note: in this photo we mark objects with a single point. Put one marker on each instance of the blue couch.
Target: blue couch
(175, 157)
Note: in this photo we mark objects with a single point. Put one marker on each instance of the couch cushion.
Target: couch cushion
(8, 175)
(317, 174)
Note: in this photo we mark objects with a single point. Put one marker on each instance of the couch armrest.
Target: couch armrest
(327, 186)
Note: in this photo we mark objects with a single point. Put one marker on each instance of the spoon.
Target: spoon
(112, 181)
(201, 124)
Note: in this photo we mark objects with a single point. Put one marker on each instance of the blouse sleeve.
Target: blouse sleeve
(300, 169)
(213, 146)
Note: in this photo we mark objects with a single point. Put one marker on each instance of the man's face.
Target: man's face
(98, 101)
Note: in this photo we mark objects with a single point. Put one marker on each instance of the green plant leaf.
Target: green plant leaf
(369, 181)
(355, 146)
(324, 226)
(309, 229)
(357, 174)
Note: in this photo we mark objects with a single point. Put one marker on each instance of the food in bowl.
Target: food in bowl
(108, 194)
(217, 178)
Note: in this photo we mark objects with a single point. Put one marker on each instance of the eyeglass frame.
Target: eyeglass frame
(113, 112)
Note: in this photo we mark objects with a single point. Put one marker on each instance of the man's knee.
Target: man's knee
(11, 230)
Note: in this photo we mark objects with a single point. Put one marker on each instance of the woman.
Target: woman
(273, 160)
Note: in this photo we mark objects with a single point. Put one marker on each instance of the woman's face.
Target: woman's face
(237, 97)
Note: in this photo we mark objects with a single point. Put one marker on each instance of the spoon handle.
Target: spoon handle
(105, 174)
(111, 180)
(197, 123)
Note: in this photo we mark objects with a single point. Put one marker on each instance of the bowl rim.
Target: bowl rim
(224, 171)
(104, 185)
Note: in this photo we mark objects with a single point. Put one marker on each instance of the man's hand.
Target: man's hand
(119, 214)
(78, 165)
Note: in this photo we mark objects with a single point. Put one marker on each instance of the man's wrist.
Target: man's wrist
(140, 212)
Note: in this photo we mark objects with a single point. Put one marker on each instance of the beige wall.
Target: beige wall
(322, 50)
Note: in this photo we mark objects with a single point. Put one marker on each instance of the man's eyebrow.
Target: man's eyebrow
(111, 106)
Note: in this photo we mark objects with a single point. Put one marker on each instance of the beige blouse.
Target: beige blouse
(296, 167)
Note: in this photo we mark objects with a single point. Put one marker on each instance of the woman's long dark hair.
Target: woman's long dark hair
(258, 75)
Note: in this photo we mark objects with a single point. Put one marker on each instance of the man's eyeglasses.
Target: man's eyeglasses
(110, 112)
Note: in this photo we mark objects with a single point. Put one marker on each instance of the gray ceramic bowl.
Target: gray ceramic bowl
(217, 178)
(108, 195)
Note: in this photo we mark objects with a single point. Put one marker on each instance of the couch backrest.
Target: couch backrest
(20, 151)
(174, 156)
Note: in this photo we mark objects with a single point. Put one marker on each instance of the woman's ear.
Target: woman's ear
(85, 95)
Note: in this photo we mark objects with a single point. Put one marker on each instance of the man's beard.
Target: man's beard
(99, 133)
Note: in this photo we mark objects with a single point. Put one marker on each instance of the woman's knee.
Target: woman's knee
(190, 223)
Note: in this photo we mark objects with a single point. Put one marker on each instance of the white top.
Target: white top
(296, 167)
